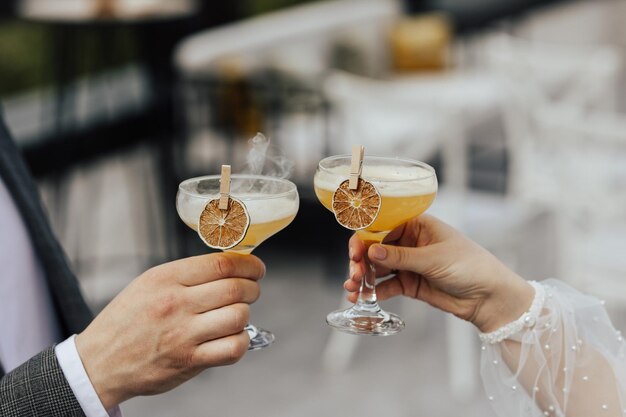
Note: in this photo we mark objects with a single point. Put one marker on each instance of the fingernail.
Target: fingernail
(379, 252)
(350, 252)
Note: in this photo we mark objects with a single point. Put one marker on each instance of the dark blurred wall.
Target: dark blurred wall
(214, 13)
(7, 8)
(473, 15)
(255, 7)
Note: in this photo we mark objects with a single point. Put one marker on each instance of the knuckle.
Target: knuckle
(256, 292)
(239, 315)
(224, 265)
(189, 359)
(150, 277)
(262, 269)
(236, 347)
(165, 306)
(401, 257)
(234, 291)
(259, 268)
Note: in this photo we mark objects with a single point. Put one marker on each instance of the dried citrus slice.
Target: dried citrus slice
(356, 209)
(223, 229)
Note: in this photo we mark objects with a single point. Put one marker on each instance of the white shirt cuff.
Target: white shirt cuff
(76, 376)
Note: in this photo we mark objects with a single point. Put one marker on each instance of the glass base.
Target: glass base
(365, 319)
(259, 338)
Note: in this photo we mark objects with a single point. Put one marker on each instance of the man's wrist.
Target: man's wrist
(71, 364)
(96, 375)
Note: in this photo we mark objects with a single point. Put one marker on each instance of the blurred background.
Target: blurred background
(519, 106)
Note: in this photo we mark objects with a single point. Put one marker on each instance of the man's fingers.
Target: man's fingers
(220, 323)
(224, 351)
(220, 293)
(206, 268)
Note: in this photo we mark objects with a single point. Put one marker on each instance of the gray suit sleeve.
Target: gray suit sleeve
(38, 388)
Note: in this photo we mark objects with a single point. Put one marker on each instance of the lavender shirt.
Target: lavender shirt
(28, 324)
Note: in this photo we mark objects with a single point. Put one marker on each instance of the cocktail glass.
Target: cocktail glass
(272, 203)
(407, 188)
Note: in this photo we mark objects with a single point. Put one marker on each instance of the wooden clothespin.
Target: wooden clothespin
(224, 187)
(356, 166)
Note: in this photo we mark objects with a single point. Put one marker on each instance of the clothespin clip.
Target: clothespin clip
(356, 166)
(224, 187)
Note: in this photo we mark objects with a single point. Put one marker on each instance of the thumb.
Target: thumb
(400, 257)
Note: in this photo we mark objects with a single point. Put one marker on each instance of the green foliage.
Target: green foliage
(28, 60)
(22, 59)
(26, 49)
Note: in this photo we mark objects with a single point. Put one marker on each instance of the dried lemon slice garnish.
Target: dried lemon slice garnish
(356, 209)
(223, 229)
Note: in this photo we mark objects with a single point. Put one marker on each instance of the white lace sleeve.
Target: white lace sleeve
(570, 363)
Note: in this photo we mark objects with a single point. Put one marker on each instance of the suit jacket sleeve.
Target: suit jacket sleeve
(38, 388)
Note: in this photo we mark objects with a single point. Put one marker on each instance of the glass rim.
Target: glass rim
(293, 188)
(415, 162)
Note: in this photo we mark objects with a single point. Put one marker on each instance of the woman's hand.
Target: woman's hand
(432, 262)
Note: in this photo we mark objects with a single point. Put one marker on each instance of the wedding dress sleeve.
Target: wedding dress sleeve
(568, 360)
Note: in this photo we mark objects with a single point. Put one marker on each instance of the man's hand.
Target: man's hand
(169, 324)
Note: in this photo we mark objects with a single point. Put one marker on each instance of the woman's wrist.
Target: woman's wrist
(509, 300)
(525, 321)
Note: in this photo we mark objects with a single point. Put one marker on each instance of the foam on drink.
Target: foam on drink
(264, 210)
(396, 181)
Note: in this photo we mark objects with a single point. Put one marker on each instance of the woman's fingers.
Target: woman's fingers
(418, 260)
(356, 248)
(395, 234)
(401, 284)
(357, 271)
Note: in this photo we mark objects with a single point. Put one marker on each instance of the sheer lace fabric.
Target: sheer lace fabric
(572, 362)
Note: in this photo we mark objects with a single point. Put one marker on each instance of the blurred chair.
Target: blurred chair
(565, 139)
(550, 54)
(549, 62)
(582, 154)
(412, 115)
(264, 73)
(584, 75)
(299, 38)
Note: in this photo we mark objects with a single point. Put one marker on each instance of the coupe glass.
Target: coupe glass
(272, 204)
(407, 188)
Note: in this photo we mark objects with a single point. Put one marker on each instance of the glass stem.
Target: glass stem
(367, 292)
